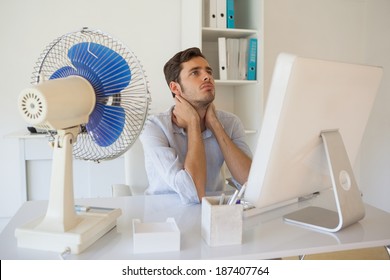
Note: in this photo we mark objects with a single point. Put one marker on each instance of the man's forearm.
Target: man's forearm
(236, 160)
(195, 161)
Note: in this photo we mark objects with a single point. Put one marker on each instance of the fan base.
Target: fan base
(92, 226)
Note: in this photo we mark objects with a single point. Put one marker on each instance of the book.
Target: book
(230, 20)
(252, 58)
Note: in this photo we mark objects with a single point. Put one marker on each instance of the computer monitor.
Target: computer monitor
(313, 124)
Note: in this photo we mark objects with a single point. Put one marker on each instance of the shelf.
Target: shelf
(244, 98)
(234, 82)
(212, 34)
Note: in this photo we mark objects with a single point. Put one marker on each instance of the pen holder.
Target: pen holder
(221, 224)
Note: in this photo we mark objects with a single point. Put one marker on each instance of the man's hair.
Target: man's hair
(173, 66)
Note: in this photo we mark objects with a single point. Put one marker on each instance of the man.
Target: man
(186, 146)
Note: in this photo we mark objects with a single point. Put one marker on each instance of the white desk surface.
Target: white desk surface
(265, 236)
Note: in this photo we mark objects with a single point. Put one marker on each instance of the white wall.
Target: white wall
(375, 157)
(151, 29)
(347, 30)
(328, 29)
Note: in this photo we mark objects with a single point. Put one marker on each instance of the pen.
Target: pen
(233, 199)
(221, 199)
(241, 193)
(232, 183)
(81, 208)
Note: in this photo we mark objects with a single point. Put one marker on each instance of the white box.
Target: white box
(155, 237)
(221, 224)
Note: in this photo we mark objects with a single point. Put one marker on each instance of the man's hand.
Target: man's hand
(211, 118)
(184, 115)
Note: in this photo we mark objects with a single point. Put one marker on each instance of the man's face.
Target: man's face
(197, 82)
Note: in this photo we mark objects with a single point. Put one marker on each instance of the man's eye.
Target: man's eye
(194, 73)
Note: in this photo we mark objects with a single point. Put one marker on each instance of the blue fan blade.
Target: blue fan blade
(90, 76)
(106, 124)
(111, 69)
(108, 74)
(63, 72)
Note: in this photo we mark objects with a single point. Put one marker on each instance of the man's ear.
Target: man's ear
(175, 88)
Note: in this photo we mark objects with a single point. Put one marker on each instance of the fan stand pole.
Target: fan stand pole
(62, 229)
(61, 215)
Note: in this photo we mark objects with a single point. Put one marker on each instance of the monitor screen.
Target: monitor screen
(308, 96)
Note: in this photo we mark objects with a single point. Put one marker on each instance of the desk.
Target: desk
(265, 236)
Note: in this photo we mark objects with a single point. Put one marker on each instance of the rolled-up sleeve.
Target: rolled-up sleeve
(164, 167)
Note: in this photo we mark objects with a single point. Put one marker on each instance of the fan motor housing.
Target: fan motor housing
(58, 103)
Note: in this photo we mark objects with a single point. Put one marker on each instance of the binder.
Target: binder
(222, 58)
(232, 56)
(243, 59)
(252, 58)
(230, 20)
(210, 13)
(221, 13)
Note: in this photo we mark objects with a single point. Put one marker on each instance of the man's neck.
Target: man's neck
(202, 117)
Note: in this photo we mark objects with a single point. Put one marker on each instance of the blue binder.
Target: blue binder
(230, 20)
(252, 58)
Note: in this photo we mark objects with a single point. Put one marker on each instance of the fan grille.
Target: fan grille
(134, 99)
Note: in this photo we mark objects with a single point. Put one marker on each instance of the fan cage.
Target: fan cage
(135, 99)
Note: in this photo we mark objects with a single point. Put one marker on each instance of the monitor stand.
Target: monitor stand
(350, 207)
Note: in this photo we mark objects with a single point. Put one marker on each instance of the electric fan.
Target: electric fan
(91, 94)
